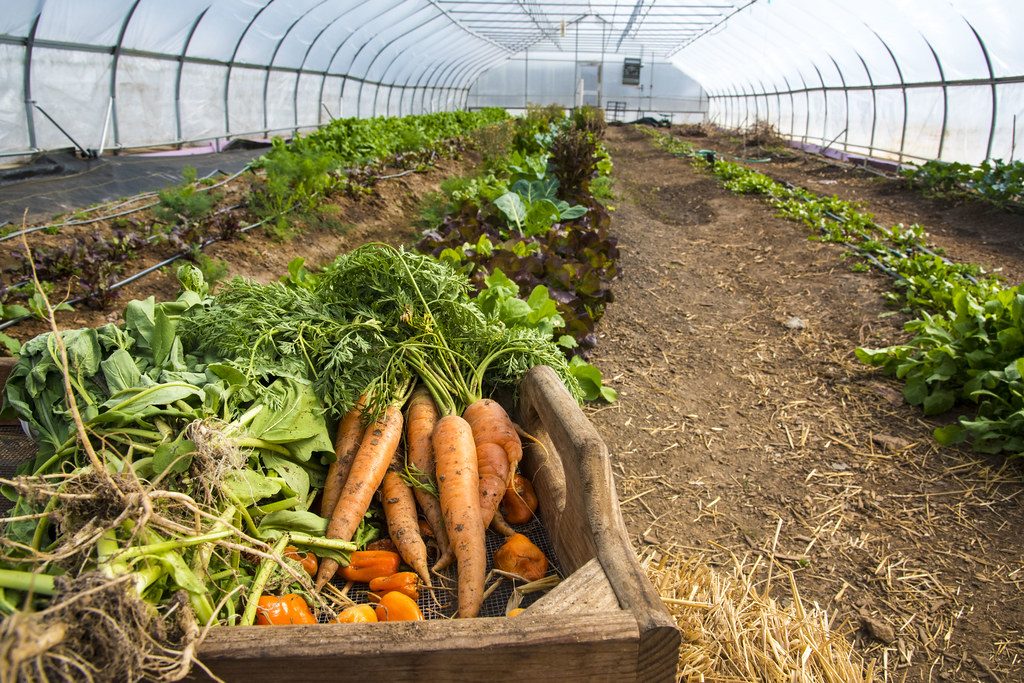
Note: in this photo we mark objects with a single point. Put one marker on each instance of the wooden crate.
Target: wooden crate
(603, 622)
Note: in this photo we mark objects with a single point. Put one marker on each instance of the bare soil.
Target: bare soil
(737, 434)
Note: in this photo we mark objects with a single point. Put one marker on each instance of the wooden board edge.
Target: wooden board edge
(587, 465)
(533, 647)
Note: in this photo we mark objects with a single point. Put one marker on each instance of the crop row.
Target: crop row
(967, 341)
(291, 180)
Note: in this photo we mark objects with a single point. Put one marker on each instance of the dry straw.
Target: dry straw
(735, 628)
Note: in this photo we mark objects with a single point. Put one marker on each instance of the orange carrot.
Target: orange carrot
(458, 482)
(498, 452)
(403, 527)
(421, 417)
(346, 445)
(520, 501)
(380, 441)
(499, 524)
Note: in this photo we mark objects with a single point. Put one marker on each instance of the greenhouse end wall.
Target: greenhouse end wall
(549, 79)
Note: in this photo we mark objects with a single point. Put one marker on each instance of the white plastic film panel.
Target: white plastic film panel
(13, 128)
(875, 68)
(189, 70)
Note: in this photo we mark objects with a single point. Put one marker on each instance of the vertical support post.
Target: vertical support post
(526, 79)
(945, 97)
(992, 79)
(179, 131)
(27, 82)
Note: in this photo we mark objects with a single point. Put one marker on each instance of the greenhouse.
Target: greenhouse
(641, 340)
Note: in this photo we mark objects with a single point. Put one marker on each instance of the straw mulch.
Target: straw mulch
(750, 625)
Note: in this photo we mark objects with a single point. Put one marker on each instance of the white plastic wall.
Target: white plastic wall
(900, 79)
(132, 73)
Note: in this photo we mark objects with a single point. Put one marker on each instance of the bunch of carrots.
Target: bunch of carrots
(470, 460)
(394, 344)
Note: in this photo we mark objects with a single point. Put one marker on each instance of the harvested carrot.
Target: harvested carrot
(521, 557)
(458, 483)
(421, 417)
(400, 512)
(357, 614)
(498, 452)
(403, 582)
(346, 445)
(520, 501)
(366, 565)
(303, 557)
(501, 526)
(380, 441)
(395, 606)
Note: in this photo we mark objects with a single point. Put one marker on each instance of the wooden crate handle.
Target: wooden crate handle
(590, 489)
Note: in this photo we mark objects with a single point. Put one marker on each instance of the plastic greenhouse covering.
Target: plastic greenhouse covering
(901, 79)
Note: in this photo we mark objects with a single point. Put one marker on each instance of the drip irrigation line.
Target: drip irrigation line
(58, 226)
(399, 175)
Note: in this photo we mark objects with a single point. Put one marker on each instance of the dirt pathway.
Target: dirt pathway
(746, 426)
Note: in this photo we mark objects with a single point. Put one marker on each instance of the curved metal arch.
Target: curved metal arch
(402, 87)
(945, 96)
(903, 89)
(992, 79)
(792, 106)
(466, 77)
(846, 96)
(305, 58)
(359, 51)
(807, 107)
(27, 81)
(270, 67)
(874, 104)
(466, 72)
(824, 97)
(345, 77)
(181, 67)
(447, 77)
(394, 41)
(417, 88)
(474, 75)
(376, 92)
(323, 80)
(113, 70)
(231, 64)
(427, 86)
